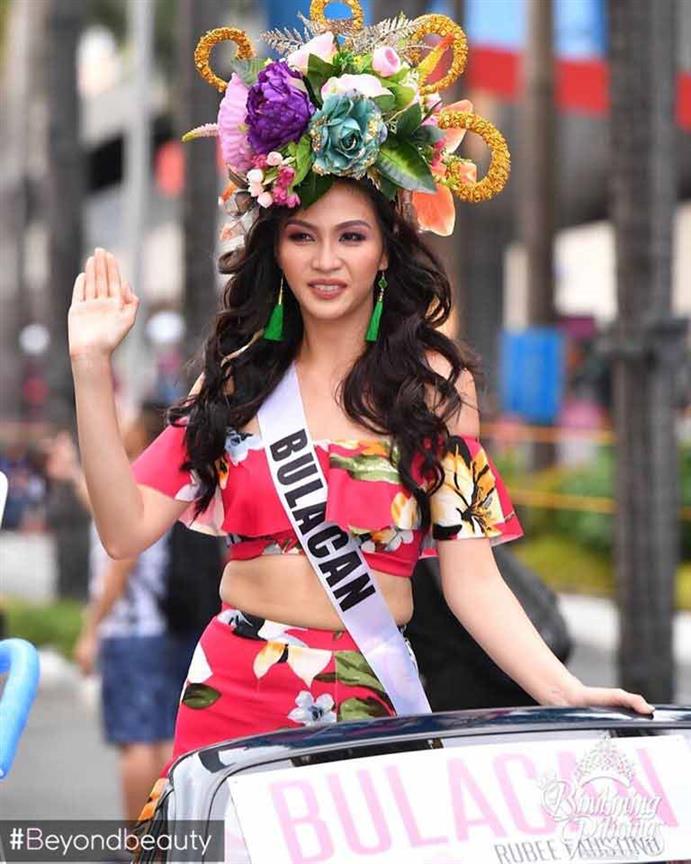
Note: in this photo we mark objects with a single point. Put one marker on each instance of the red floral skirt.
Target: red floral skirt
(249, 675)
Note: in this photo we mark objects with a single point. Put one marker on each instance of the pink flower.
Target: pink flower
(322, 46)
(274, 158)
(286, 173)
(385, 61)
(279, 195)
(293, 200)
(232, 131)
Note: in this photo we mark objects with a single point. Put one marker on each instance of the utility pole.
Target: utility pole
(538, 163)
(647, 343)
(198, 104)
(131, 358)
(64, 192)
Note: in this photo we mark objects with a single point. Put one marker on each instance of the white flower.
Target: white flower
(255, 189)
(322, 46)
(368, 85)
(199, 669)
(265, 199)
(311, 710)
(306, 663)
(238, 446)
(255, 175)
(274, 158)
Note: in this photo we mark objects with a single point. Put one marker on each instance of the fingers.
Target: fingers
(78, 290)
(113, 274)
(101, 278)
(90, 279)
(101, 273)
(633, 701)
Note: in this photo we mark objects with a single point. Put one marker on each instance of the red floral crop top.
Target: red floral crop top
(365, 497)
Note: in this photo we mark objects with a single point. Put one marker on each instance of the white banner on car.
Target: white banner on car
(332, 551)
(565, 799)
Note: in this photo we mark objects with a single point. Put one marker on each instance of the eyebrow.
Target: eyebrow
(347, 224)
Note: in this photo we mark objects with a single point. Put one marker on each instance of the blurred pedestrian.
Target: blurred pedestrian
(125, 635)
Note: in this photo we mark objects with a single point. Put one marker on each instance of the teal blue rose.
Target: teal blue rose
(346, 134)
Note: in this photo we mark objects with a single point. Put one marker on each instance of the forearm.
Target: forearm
(488, 609)
(115, 579)
(116, 502)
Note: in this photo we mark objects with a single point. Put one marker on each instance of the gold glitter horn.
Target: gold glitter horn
(202, 53)
(343, 26)
(500, 162)
(453, 37)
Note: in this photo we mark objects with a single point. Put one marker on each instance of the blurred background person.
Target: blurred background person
(126, 634)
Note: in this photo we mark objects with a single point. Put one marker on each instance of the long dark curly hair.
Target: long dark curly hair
(385, 390)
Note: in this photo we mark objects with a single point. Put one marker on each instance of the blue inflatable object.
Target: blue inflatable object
(19, 659)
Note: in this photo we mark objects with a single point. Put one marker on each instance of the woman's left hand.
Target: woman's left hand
(582, 696)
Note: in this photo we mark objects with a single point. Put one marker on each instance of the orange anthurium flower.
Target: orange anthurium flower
(435, 211)
(453, 137)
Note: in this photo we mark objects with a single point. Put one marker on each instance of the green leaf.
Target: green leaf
(361, 709)
(402, 164)
(303, 159)
(199, 696)
(247, 70)
(386, 187)
(318, 73)
(313, 187)
(403, 95)
(399, 76)
(314, 95)
(354, 670)
(427, 134)
(364, 467)
(409, 121)
(317, 66)
(386, 102)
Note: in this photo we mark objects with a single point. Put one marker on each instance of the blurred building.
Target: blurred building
(496, 31)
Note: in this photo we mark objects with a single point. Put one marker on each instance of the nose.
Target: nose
(326, 256)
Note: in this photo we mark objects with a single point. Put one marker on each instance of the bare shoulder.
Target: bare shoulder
(467, 420)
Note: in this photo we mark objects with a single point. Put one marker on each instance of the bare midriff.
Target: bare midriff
(285, 588)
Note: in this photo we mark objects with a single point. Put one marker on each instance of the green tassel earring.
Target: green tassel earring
(273, 331)
(374, 321)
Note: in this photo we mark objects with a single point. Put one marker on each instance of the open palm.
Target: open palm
(103, 308)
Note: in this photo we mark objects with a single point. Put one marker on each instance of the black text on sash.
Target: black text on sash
(298, 476)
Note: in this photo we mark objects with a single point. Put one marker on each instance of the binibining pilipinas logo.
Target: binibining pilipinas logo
(601, 813)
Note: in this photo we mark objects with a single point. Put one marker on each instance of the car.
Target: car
(504, 785)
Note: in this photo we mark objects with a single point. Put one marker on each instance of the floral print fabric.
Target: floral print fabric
(365, 497)
(249, 675)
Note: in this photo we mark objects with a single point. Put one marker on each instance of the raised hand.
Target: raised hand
(103, 308)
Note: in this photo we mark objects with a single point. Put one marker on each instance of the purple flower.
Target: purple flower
(278, 108)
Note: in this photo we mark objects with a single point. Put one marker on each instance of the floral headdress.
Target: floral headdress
(346, 100)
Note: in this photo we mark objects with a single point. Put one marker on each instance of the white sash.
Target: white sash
(333, 552)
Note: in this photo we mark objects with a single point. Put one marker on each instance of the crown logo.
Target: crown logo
(604, 762)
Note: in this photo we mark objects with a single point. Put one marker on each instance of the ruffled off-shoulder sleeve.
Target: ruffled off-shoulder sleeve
(472, 500)
(159, 467)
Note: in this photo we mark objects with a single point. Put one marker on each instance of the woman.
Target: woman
(387, 399)
(125, 634)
